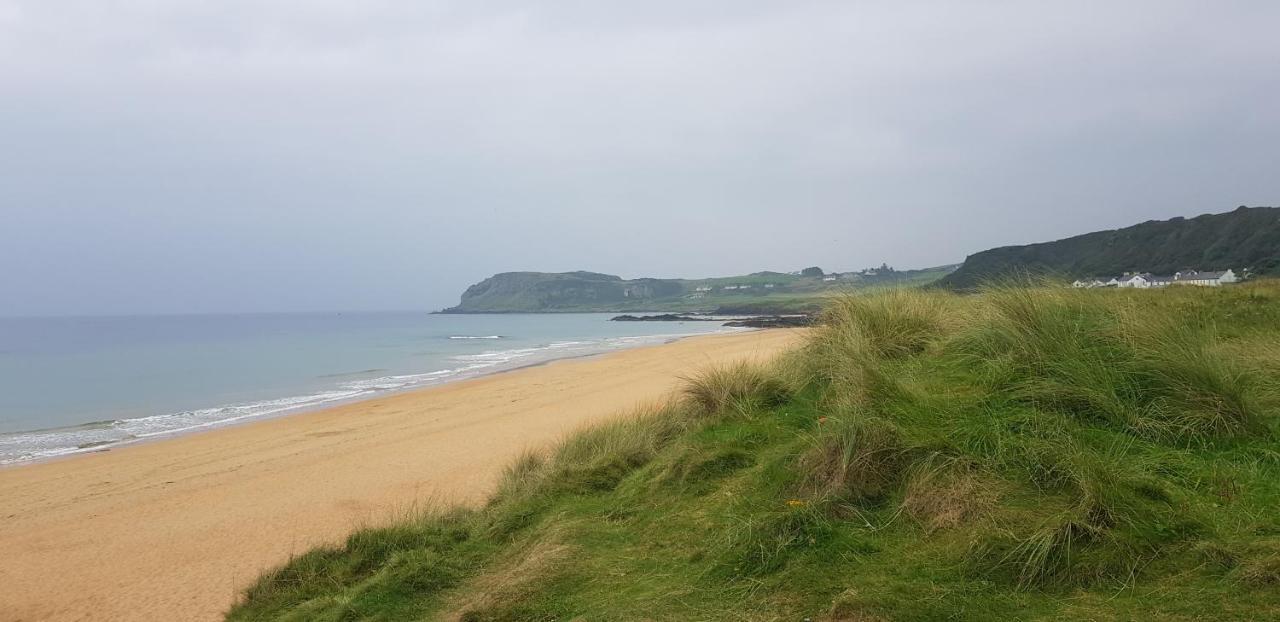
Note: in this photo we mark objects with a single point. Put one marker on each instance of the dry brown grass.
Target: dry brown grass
(509, 581)
(859, 457)
(947, 496)
(1261, 572)
(847, 608)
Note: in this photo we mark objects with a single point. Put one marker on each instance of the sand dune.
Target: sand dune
(172, 530)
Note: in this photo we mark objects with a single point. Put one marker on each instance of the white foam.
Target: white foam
(34, 445)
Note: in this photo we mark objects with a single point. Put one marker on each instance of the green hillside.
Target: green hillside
(1028, 454)
(535, 292)
(1247, 238)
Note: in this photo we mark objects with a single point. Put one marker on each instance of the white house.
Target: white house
(1205, 279)
(1146, 280)
(1141, 280)
(1097, 281)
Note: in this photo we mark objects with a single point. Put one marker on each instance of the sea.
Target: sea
(78, 384)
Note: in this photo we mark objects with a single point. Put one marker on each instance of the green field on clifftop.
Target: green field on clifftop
(760, 292)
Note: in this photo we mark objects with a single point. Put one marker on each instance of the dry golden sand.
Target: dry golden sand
(172, 530)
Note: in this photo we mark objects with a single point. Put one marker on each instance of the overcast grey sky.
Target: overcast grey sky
(240, 155)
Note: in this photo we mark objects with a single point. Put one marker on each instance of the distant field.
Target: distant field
(800, 293)
(517, 292)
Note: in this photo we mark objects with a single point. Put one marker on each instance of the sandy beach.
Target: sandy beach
(174, 529)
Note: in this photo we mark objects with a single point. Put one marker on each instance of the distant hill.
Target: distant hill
(540, 292)
(1248, 237)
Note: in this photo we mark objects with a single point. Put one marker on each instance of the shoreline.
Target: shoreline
(112, 445)
(175, 529)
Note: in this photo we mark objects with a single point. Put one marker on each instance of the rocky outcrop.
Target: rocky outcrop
(774, 321)
(663, 317)
(763, 321)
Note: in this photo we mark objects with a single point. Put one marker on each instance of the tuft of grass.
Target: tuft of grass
(699, 468)
(736, 389)
(1263, 572)
(502, 592)
(764, 542)
(845, 353)
(521, 475)
(371, 575)
(595, 460)
(1200, 393)
(591, 462)
(893, 324)
(945, 493)
(1110, 518)
(858, 458)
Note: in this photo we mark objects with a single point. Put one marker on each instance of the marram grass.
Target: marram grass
(1028, 453)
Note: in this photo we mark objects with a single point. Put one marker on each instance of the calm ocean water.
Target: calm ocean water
(77, 384)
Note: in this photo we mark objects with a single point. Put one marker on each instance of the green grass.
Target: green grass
(578, 292)
(1026, 453)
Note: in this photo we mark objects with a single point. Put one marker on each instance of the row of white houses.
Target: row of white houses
(733, 287)
(1146, 280)
(701, 292)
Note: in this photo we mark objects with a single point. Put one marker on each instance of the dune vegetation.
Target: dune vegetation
(1028, 452)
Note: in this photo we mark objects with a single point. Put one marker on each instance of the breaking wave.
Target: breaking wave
(99, 435)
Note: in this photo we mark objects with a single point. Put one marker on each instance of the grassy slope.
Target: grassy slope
(1023, 454)
(1245, 238)
(801, 294)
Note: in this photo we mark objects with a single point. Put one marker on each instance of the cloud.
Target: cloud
(250, 153)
